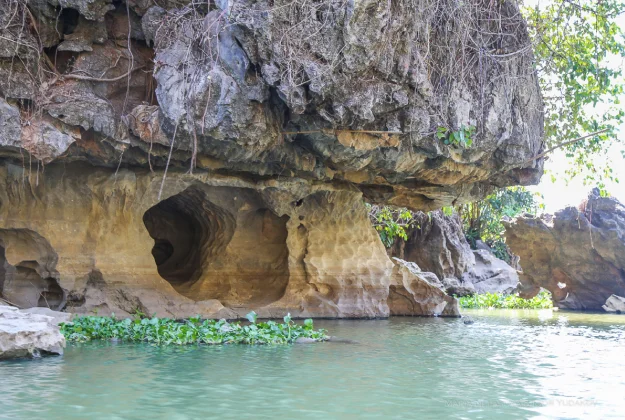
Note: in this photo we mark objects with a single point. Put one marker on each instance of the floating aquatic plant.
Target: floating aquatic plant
(191, 331)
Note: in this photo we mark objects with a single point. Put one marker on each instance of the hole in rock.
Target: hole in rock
(32, 281)
(69, 20)
(206, 247)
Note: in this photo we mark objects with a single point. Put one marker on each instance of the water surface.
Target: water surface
(507, 365)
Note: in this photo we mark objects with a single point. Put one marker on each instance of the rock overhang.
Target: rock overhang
(336, 102)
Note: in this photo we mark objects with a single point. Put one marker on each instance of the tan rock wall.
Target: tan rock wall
(212, 245)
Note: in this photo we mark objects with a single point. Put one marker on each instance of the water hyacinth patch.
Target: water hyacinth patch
(163, 331)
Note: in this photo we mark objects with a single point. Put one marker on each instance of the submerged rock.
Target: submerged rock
(578, 254)
(24, 334)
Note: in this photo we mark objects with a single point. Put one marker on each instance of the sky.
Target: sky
(556, 196)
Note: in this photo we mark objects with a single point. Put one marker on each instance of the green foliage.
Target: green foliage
(391, 223)
(459, 138)
(577, 45)
(482, 219)
(192, 331)
(500, 301)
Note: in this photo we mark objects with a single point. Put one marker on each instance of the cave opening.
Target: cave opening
(208, 248)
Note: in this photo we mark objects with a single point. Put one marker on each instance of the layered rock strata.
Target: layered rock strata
(213, 158)
(214, 246)
(578, 254)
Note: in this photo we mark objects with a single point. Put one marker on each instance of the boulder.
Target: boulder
(615, 304)
(24, 334)
(57, 317)
(412, 292)
(490, 274)
(578, 254)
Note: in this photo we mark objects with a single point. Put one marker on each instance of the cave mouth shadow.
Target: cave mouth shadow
(209, 249)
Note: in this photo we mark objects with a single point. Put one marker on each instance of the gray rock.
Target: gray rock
(10, 128)
(305, 340)
(415, 293)
(28, 335)
(490, 274)
(615, 304)
(57, 317)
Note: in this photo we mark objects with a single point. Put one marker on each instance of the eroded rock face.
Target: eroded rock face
(417, 293)
(24, 334)
(28, 275)
(269, 124)
(490, 274)
(437, 244)
(215, 246)
(578, 254)
(325, 92)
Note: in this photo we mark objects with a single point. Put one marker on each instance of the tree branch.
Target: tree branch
(566, 143)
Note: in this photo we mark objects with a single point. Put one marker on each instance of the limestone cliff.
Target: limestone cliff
(578, 254)
(214, 157)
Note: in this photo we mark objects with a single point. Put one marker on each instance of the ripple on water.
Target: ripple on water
(515, 364)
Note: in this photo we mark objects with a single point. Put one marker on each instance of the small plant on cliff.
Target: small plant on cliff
(162, 331)
(459, 138)
(390, 222)
(500, 301)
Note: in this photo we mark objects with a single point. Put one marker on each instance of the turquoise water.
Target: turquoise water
(508, 365)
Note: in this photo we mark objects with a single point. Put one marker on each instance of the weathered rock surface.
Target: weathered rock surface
(615, 304)
(271, 121)
(413, 292)
(490, 274)
(25, 334)
(437, 245)
(352, 93)
(215, 246)
(578, 254)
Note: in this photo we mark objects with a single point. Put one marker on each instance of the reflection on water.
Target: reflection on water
(508, 364)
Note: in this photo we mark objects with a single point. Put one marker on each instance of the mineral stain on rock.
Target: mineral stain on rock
(214, 158)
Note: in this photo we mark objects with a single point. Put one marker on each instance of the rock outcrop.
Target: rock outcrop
(578, 254)
(417, 293)
(212, 245)
(214, 157)
(24, 334)
(437, 244)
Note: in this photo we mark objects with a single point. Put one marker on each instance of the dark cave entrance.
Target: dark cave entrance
(234, 253)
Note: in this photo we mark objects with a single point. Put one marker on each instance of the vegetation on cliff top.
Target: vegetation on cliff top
(192, 331)
(500, 301)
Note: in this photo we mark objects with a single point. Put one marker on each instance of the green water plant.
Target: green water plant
(501, 301)
(164, 331)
